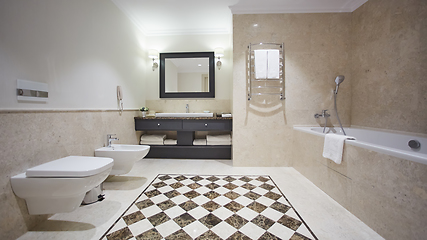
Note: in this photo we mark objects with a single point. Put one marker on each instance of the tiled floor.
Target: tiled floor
(325, 217)
(210, 207)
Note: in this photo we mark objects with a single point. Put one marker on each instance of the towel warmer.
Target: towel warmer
(257, 87)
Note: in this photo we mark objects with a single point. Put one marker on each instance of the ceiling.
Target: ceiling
(186, 17)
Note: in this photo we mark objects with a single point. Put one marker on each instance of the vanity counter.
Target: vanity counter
(186, 118)
(186, 128)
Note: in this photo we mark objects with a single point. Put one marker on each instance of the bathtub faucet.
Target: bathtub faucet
(110, 139)
(323, 115)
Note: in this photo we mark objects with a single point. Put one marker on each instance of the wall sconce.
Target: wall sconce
(219, 52)
(154, 54)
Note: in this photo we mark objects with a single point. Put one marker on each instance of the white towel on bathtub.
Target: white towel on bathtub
(334, 147)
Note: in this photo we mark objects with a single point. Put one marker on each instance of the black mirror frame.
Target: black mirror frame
(210, 94)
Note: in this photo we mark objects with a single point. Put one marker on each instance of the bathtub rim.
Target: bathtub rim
(414, 157)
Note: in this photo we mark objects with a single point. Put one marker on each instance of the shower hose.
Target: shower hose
(336, 111)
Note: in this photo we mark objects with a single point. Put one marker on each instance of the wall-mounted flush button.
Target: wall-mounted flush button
(414, 144)
(31, 91)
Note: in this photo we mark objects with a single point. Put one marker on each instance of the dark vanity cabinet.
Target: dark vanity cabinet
(186, 128)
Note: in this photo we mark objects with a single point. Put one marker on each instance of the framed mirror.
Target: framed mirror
(187, 75)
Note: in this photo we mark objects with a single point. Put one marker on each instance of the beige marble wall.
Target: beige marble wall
(198, 105)
(389, 65)
(28, 139)
(389, 194)
(317, 49)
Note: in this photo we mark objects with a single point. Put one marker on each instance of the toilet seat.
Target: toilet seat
(60, 185)
(71, 167)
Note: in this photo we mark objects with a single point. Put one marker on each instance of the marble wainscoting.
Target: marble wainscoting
(30, 138)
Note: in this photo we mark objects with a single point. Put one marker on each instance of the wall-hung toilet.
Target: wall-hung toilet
(124, 156)
(60, 185)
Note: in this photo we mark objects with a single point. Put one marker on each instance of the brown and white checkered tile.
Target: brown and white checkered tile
(210, 207)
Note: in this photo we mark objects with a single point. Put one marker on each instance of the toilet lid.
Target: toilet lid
(71, 166)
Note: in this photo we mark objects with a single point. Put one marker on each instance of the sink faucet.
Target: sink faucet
(110, 139)
(187, 108)
(323, 115)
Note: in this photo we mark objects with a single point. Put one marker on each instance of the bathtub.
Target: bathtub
(393, 144)
(375, 180)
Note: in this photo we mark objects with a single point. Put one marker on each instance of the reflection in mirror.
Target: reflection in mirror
(186, 75)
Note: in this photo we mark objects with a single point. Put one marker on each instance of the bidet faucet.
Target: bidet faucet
(110, 139)
(187, 108)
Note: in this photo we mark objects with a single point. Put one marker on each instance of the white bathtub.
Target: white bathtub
(393, 144)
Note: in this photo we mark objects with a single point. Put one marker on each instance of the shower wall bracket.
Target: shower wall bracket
(265, 86)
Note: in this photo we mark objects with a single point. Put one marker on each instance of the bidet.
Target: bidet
(124, 156)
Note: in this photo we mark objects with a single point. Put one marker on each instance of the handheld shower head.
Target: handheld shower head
(338, 80)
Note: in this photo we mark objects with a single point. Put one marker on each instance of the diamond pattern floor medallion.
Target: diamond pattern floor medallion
(176, 206)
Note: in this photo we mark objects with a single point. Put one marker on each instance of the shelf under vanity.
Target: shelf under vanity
(186, 128)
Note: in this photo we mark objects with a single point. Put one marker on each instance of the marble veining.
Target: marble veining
(211, 210)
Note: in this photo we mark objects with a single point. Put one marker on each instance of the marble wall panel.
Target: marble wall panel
(332, 178)
(317, 48)
(389, 65)
(389, 194)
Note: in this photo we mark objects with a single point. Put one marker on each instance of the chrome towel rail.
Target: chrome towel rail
(276, 86)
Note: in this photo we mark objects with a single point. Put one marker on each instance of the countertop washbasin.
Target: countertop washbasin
(184, 115)
(124, 156)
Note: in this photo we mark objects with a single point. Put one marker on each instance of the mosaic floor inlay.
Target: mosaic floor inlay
(210, 207)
